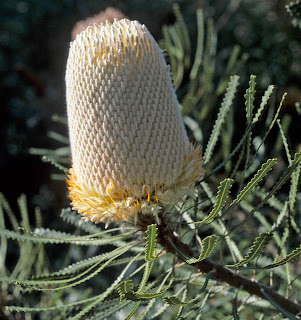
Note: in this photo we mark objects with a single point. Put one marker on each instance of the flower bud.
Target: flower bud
(130, 151)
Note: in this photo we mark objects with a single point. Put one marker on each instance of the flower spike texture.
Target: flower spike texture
(130, 150)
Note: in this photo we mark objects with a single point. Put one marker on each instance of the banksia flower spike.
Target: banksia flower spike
(130, 152)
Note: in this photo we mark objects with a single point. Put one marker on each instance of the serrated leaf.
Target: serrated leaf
(61, 238)
(294, 187)
(175, 301)
(152, 295)
(64, 306)
(208, 244)
(261, 173)
(286, 175)
(75, 219)
(143, 296)
(93, 270)
(107, 312)
(104, 294)
(264, 101)
(297, 159)
(255, 250)
(222, 195)
(249, 97)
(289, 258)
(233, 83)
(147, 271)
(124, 288)
(284, 141)
(151, 239)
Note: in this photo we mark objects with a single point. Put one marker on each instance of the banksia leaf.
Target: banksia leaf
(125, 291)
(175, 301)
(151, 239)
(289, 258)
(249, 97)
(297, 159)
(133, 311)
(147, 271)
(261, 173)
(228, 99)
(125, 288)
(208, 244)
(263, 103)
(222, 195)
(130, 151)
(255, 250)
(149, 295)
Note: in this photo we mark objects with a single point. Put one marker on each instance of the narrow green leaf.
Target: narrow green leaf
(249, 97)
(234, 308)
(208, 244)
(294, 187)
(54, 163)
(3, 245)
(147, 271)
(61, 238)
(151, 238)
(261, 173)
(289, 258)
(149, 305)
(200, 45)
(54, 308)
(264, 101)
(286, 175)
(175, 301)
(276, 305)
(58, 137)
(92, 271)
(104, 294)
(75, 219)
(227, 101)
(255, 250)
(222, 195)
(106, 313)
(7, 209)
(124, 288)
(297, 159)
(152, 295)
(183, 33)
(140, 296)
(284, 141)
(133, 311)
(231, 155)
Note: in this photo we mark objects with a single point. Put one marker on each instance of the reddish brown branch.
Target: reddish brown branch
(175, 246)
(224, 274)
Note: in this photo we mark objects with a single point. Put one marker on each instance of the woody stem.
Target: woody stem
(170, 242)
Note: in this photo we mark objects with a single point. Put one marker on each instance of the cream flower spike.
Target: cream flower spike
(130, 151)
